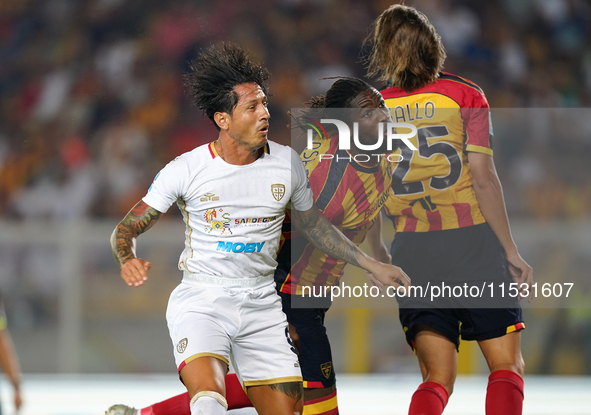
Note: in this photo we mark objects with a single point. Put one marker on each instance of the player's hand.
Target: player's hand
(383, 256)
(18, 400)
(135, 272)
(295, 338)
(521, 272)
(373, 280)
(389, 274)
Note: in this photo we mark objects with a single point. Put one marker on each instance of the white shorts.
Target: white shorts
(243, 323)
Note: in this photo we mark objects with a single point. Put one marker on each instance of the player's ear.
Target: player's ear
(222, 119)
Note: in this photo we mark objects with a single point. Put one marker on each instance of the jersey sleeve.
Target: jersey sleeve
(479, 131)
(168, 185)
(302, 198)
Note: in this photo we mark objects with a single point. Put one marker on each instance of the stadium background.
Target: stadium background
(92, 106)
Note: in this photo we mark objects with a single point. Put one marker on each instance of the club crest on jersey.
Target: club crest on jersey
(326, 369)
(278, 191)
(182, 345)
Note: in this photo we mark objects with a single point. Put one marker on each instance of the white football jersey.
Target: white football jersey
(233, 214)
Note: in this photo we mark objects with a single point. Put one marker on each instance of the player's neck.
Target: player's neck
(235, 153)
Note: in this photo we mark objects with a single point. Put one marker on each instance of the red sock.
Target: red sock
(235, 395)
(179, 405)
(504, 394)
(429, 399)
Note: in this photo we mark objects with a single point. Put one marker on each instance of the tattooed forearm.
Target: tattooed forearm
(139, 219)
(325, 236)
(294, 390)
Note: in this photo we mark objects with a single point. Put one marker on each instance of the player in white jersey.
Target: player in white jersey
(231, 209)
(233, 194)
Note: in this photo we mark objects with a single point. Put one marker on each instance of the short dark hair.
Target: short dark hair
(407, 51)
(216, 72)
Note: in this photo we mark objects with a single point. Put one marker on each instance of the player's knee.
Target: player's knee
(447, 381)
(445, 376)
(208, 402)
(519, 366)
(449, 387)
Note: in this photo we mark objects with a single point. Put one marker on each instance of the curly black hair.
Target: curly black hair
(339, 95)
(215, 74)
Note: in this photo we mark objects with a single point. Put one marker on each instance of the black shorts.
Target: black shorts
(314, 348)
(469, 323)
(472, 255)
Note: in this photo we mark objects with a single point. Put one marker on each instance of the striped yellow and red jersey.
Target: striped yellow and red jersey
(350, 195)
(432, 187)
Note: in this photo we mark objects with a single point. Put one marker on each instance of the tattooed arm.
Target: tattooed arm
(327, 238)
(134, 271)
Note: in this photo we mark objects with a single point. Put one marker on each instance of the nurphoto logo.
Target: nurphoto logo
(386, 133)
(345, 135)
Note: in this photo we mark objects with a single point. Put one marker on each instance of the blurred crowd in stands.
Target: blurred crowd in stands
(92, 103)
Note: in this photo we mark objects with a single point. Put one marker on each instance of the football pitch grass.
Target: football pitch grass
(358, 395)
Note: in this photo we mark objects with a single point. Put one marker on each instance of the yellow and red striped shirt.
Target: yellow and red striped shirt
(432, 187)
(350, 195)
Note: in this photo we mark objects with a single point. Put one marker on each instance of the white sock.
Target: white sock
(206, 405)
